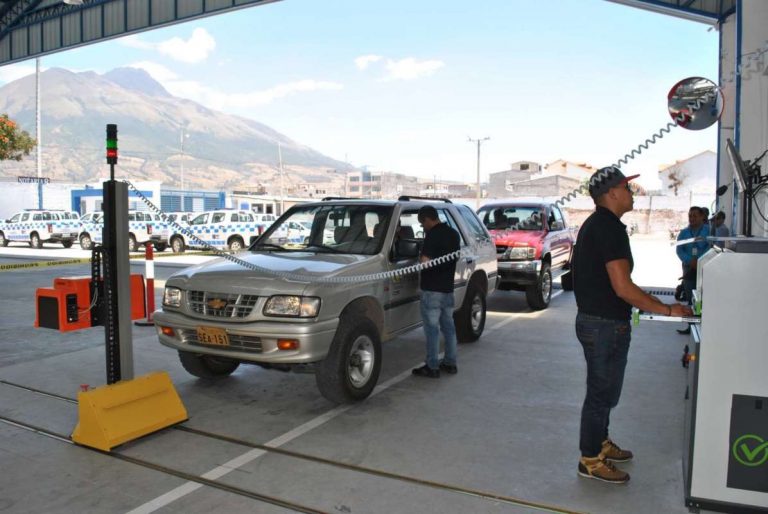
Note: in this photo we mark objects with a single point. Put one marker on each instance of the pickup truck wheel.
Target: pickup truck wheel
(160, 247)
(207, 366)
(567, 281)
(3, 240)
(67, 244)
(177, 245)
(351, 369)
(86, 243)
(132, 244)
(470, 318)
(235, 244)
(539, 294)
(34, 241)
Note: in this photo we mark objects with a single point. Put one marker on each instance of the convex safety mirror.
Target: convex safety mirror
(695, 103)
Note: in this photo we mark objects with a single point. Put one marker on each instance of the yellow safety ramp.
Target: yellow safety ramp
(117, 413)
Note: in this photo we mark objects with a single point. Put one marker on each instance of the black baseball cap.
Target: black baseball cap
(605, 178)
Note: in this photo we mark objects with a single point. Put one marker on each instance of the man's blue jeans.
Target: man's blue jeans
(606, 344)
(437, 313)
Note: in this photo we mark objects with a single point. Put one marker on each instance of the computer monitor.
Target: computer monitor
(740, 172)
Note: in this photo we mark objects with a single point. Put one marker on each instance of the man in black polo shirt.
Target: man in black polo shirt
(437, 294)
(605, 294)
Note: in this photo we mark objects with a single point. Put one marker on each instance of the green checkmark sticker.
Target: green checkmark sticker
(750, 450)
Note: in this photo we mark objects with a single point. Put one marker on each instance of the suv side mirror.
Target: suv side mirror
(407, 248)
(556, 225)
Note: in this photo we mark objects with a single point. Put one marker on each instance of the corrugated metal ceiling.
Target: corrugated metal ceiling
(31, 28)
(704, 11)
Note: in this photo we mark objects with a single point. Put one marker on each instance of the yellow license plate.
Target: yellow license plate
(210, 335)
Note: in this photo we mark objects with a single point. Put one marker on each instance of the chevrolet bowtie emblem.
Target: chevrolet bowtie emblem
(217, 303)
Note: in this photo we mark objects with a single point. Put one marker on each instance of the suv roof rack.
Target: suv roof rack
(329, 198)
(406, 198)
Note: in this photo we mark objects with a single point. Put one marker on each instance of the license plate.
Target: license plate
(210, 335)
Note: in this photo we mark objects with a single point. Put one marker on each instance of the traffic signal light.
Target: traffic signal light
(111, 143)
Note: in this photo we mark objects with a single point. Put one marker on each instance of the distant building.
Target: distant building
(380, 184)
(552, 185)
(563, 168)
(696, 175)
(519, 171)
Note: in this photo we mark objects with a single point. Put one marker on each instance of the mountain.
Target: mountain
(221, 151)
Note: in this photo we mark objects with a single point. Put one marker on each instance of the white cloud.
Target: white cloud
(195, 49)
(16, 71)
(409, 68)
(216, 99)
(364, 61)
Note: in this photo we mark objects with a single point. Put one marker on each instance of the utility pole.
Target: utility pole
(182, 137)
(280, 161)
(479, 141)
(39, 135)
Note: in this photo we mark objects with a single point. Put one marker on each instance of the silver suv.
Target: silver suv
(313, 304)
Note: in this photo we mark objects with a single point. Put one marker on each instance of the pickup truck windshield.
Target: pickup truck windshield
(512, 218)
(350, 229)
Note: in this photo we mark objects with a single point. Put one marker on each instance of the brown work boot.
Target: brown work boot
(612, 452)
(601, 469)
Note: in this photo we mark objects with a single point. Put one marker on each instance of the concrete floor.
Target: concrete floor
(507, 424)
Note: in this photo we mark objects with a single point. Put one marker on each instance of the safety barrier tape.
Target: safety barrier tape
(42, 264)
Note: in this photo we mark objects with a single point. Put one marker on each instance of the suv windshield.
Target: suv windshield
(511, 217)
(351, 229)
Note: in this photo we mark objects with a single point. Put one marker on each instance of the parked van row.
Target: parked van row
(223, 229)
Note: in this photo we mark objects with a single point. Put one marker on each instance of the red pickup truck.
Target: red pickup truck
(534, 244)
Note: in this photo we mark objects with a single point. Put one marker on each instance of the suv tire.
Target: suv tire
(539, 294)
(206, 366)
(67, 244)
(177, 245)
(235, 244)
(86, 243)
(133, 246)
(351, 369)
(34, 241)
(3, 240)
(470, 318)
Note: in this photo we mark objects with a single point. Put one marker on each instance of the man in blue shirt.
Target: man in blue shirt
(689, 253)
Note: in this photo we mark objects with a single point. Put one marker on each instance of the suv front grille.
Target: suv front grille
(221, 305)
(236, 341)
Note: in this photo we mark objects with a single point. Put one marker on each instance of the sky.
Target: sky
(402, 85)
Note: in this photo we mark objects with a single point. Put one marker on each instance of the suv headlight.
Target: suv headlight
(292, 306)
(520, 253)
(172, 297)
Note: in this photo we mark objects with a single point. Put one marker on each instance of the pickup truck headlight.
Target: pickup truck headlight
(172, 297)
(292, 306)
(520, 253)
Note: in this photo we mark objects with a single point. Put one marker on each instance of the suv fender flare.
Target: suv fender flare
(365, 306)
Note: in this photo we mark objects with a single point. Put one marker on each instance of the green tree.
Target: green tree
(14, 142)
